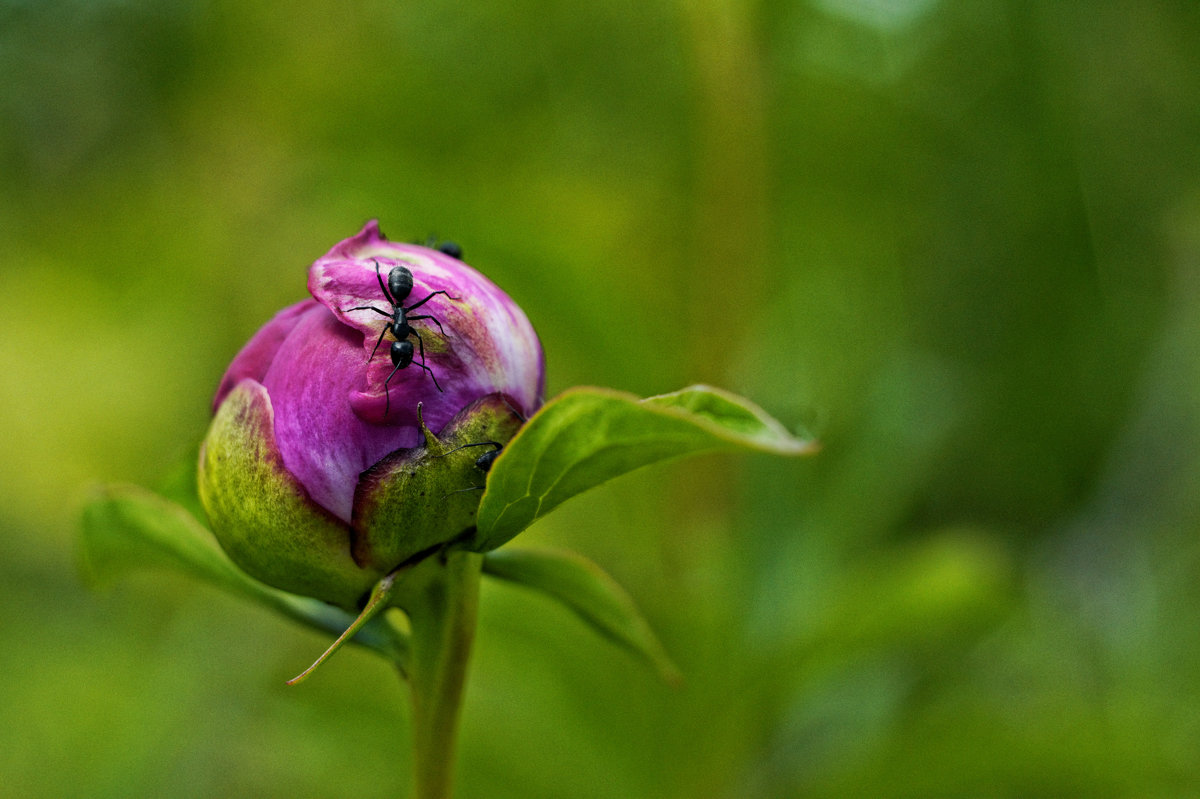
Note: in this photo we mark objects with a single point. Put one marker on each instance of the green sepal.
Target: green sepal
(590, 592)
(262, 516)
(416, 499)
(378, 601)
(127, 527)
(587, 436)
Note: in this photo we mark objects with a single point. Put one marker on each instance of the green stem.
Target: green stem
(441, 598)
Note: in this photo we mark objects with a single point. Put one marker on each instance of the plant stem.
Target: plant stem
(441, 600)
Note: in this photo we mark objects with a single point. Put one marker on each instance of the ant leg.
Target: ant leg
(462, 490)
(387, 395)
(515, 412)
(387, 294)
(495, 444)
(441, 329)
(368, 308)
(382, 333)
(387, 406)
(378, 341)
(427, 299)
(431, 375)
(420, 343)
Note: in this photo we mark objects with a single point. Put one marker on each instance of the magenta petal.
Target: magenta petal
(262, 517)
(360, 242)
(322, 441)
(256, 356)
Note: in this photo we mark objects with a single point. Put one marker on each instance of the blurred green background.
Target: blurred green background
(959, 241)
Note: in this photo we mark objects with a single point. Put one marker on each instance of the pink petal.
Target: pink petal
(256, 356)
(322, 441)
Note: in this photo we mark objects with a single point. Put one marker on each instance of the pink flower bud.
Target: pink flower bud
(327, 390)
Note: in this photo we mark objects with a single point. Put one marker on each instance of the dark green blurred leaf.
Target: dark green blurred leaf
(587, 436)
(127, 527)
(586, 589)
(179, 483)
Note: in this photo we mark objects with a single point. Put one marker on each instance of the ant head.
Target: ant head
(400, 283)
(451, 249)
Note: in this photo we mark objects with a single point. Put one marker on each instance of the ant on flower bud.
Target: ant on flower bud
(445, 247)
(483, 463)
(399, 286)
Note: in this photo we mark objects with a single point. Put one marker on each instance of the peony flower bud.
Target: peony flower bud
(321, 471)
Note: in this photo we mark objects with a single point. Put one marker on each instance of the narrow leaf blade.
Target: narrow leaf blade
(592, 594)
(126, 527)
(587, 436)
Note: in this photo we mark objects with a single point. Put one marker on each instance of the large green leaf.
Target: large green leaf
(126, 527)
(585, 588)
(587, 436)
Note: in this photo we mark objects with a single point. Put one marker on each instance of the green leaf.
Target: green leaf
(179, 482)
(587, 436)
(126, 527)
(586, 589)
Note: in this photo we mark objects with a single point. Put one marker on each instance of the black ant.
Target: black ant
(483, 463)
(445, 248)
(399, 286)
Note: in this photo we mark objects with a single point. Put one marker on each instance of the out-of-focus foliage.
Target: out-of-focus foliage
(959, 241)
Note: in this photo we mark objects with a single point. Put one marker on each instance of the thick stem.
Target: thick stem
(441, 601)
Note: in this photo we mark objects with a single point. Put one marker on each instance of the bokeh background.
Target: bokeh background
(959, 241)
